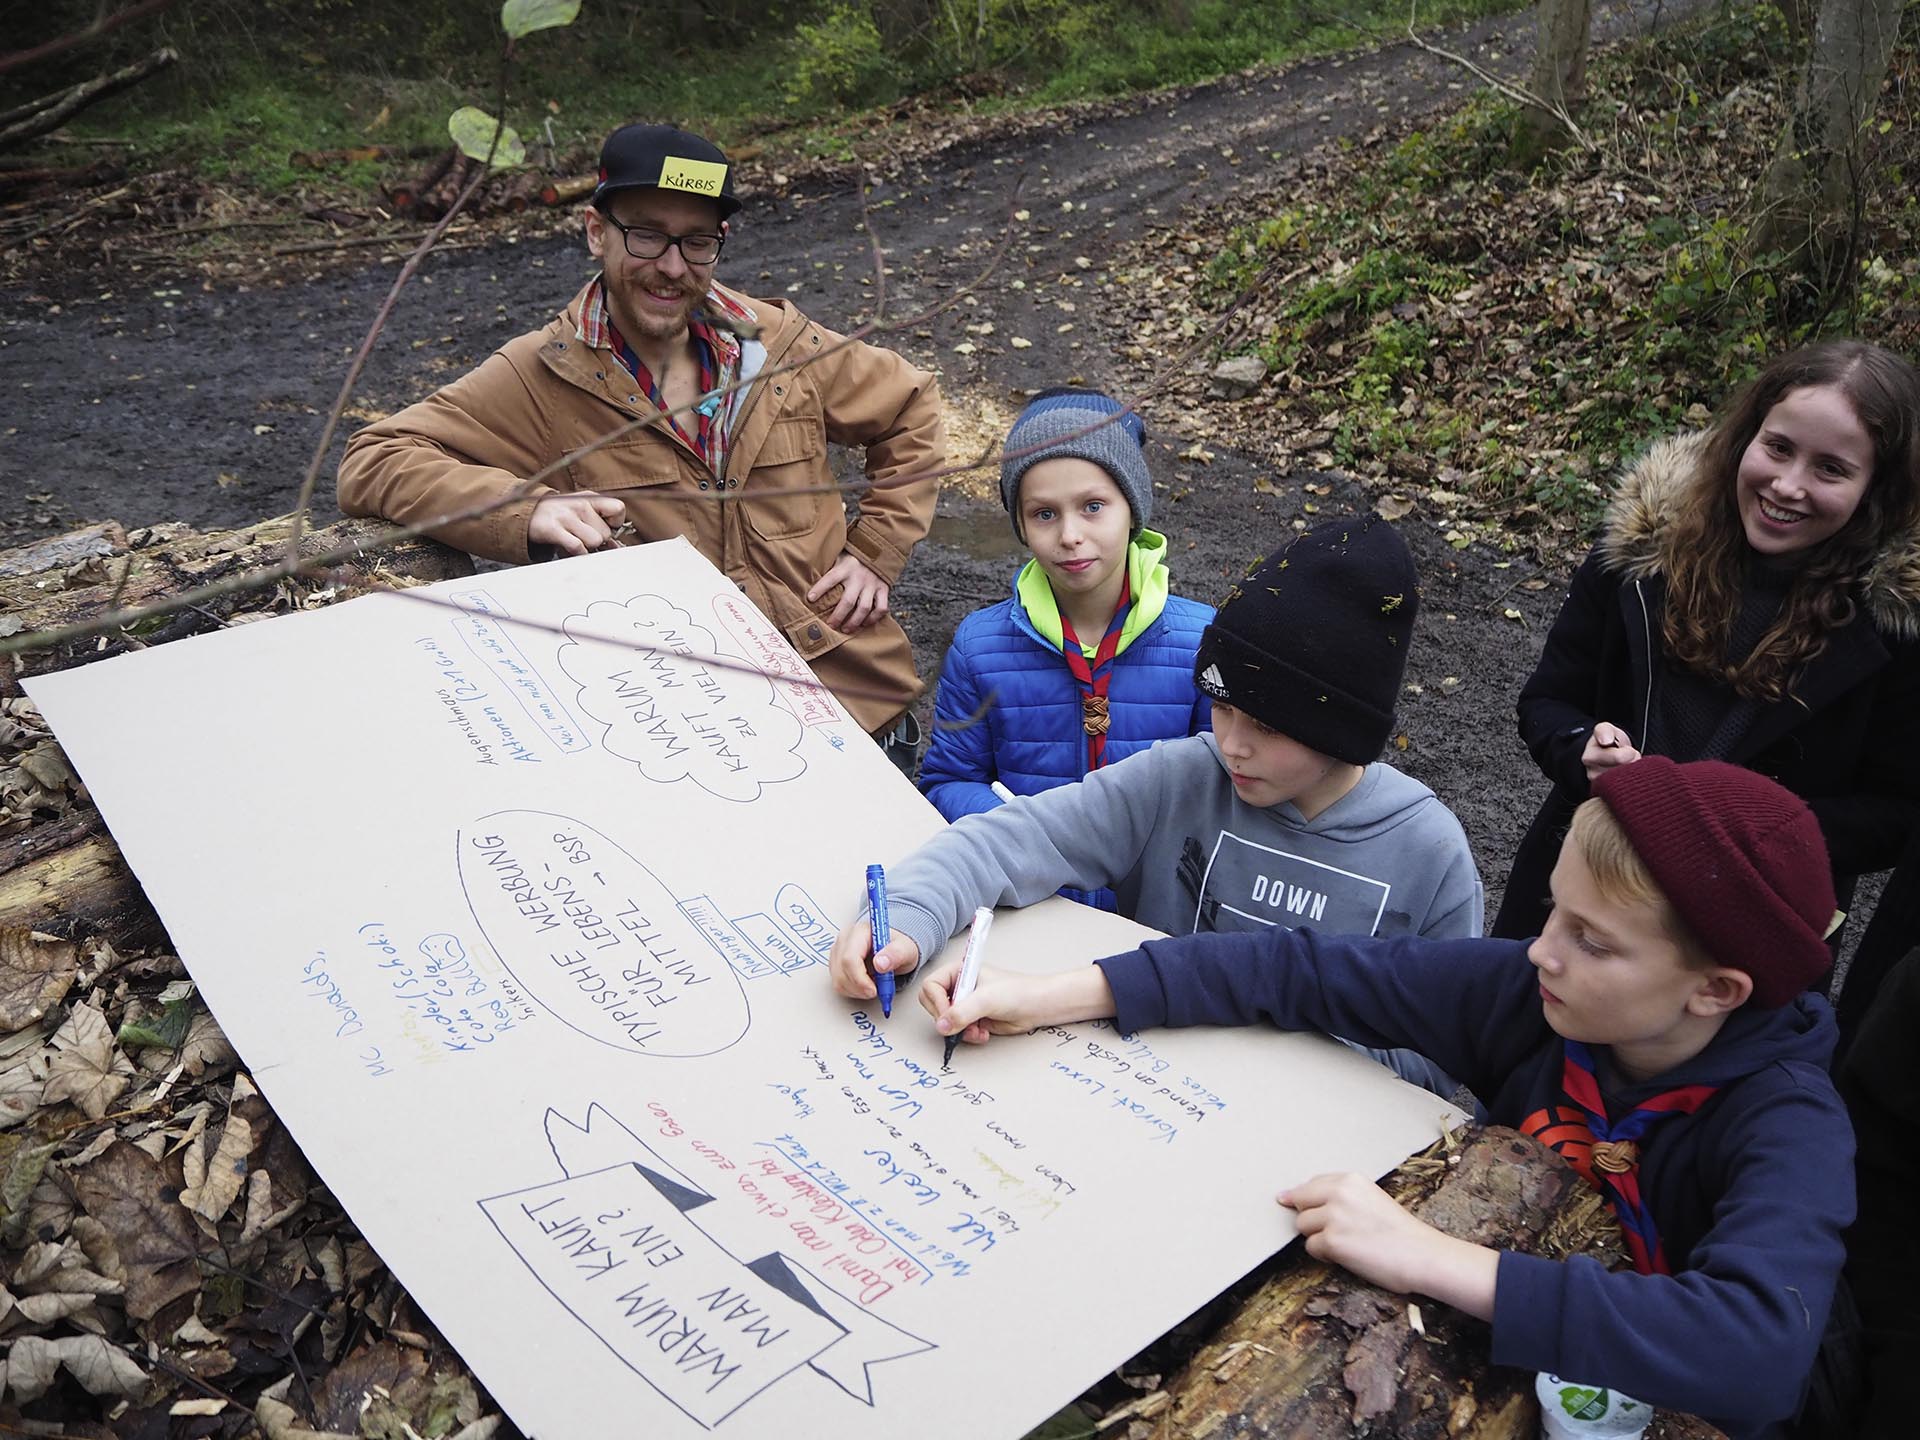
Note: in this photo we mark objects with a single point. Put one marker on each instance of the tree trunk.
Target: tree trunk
(1810, 203)
(1559, 79)
(1799, 15)
(1317, 1353)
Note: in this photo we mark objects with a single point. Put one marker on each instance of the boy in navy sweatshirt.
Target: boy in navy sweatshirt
(1659, 1020)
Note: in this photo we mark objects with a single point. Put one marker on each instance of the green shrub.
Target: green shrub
(838, 59)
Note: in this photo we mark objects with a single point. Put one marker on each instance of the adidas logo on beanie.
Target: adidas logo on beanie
(1313, 643)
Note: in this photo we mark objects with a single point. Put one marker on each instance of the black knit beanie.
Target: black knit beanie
(1313, 643)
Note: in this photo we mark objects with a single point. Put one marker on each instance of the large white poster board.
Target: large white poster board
(521, 929)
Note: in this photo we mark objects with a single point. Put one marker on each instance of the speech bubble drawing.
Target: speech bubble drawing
(594, 936)
(664, 707)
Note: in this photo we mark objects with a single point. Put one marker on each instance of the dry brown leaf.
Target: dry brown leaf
(60, 1267)
(383, 1366)
(195, 1332)
(21, 1087)
(46, 1308)
(279, 1421)
(36, 971)
(97, 1244)
(47, 764)
(103, 1368)
(226, 1172)
(25, 1164)
(128, 1192)
(206, 1047)
(88, 1068)
(1393, 507)
(259, 1216)
(36, 1262)
(30, 1367)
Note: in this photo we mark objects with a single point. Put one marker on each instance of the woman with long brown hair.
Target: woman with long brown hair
(1754, 597)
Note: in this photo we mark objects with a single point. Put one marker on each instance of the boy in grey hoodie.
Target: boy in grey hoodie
(1282, 816)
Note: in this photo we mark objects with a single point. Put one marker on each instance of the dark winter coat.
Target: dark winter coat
(1844, 740)
(1750, 1192)
(1881, 1083)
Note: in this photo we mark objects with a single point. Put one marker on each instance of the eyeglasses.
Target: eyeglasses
(646, 243)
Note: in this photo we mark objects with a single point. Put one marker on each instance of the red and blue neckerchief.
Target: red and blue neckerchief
(1615, 1162)
(1094, 678)
(717, 349)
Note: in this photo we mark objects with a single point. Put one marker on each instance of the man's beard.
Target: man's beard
(642, 321)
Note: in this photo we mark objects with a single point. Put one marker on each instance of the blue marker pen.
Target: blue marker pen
(882, 933)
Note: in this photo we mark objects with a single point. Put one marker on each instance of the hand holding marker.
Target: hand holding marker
(882, 934)
(969, 970)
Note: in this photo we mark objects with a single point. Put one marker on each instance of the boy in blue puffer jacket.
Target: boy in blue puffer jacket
(1091, 659)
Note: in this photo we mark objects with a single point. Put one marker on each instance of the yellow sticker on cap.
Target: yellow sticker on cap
(696, 177)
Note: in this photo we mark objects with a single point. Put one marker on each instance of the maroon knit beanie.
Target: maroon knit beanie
(1740, 857)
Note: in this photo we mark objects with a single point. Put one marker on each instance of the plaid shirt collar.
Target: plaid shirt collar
(596, 328)
(708, 430)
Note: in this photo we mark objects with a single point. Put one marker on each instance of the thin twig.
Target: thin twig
(305, 500)
(67, 219)
(1513, 92)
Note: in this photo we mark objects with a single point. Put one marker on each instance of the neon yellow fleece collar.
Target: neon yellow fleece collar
(1146, 579)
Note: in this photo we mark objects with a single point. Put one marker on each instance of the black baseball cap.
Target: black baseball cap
(665, 157)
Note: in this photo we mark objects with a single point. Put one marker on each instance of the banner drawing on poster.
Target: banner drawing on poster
(651, 1265)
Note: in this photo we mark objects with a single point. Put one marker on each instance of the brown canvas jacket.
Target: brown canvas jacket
(545, 394)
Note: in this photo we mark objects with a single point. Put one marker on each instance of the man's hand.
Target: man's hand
(574, 524)
(1351, 1222)
(863, 595)
(1607, 747)
(848, 961)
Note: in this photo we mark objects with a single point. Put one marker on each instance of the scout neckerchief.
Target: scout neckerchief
(717, 349)
(1615, 1160)
(1094, 679)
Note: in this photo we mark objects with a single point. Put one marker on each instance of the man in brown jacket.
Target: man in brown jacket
(740, 472)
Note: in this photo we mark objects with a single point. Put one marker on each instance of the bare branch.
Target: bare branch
(304, 501)
(102, 25)
(53, 111)
(1513, 92)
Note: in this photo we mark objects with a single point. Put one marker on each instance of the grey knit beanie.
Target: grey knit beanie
(1050, 427)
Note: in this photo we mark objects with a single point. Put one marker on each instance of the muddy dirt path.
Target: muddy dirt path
(144, 400)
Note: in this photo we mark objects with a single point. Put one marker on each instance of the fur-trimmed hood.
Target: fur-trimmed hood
(1636, 535)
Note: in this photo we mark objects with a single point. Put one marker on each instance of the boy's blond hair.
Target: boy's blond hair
(1622, 877)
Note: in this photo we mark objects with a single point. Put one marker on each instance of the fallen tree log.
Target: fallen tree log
(50, 112)
(82, 891)
(86, 575)
(1316, 1352)
(565, 192)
